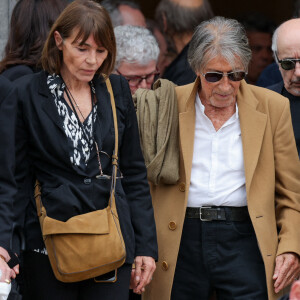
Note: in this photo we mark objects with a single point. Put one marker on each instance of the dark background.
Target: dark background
(276, 10)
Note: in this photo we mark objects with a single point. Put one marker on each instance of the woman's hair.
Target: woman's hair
(89, 18)
(219, 37)
(30, 23)
(135, 45)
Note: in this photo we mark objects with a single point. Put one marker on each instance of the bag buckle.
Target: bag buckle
(203, 219)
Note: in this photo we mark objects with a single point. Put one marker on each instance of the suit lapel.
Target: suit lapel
(48, 104)
(253, 124)
(187, 127)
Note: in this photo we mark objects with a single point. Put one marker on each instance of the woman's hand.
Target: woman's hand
(142, 274)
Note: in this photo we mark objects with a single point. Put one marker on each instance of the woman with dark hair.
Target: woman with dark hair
(66, 136)
(30, 23)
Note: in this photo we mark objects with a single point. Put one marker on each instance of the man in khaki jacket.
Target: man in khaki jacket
(231, 223)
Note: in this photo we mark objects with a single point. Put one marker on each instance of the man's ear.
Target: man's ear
(295, 291)
(58, 40)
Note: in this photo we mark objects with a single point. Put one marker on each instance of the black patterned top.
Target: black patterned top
(80, 148)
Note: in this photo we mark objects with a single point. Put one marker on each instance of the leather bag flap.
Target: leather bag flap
(95, 222)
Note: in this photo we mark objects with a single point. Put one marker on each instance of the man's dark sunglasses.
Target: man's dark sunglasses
(217, 76)
(287, 63)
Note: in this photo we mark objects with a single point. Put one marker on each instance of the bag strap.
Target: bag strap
(113, 106)
(115, 153)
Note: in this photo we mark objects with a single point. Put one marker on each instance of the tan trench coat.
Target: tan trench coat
(272, 171)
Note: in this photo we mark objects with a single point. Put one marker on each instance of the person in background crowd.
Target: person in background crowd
(177, 20)
(30, 23)
(65, 135)
(271, 75)
(8, 189)
(286, 49)
(124, 12)
(259, 31)
(231, 222)
(137, 54)
(163, 59)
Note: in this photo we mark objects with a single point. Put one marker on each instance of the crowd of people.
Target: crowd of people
(191, 122)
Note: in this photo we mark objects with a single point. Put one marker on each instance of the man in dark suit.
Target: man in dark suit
(7, 183)
(177, 20)
(286, 48)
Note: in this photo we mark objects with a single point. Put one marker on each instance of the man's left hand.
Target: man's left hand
(287, 269)
(142, 274)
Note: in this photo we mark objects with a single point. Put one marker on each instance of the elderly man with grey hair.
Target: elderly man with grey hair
(137, 54)
(286, 49)
(231, 222)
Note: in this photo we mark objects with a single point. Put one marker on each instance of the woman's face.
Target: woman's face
(80, 62)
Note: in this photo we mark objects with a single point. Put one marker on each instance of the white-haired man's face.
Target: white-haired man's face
(288, 46)
(137, 75)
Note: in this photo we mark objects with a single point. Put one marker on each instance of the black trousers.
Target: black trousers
(219, 256)
(41, 284)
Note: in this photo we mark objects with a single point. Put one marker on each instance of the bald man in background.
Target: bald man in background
(177, 20)
(126, 12)
(286, 49)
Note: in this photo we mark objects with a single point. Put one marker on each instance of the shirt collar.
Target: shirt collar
(234, 117)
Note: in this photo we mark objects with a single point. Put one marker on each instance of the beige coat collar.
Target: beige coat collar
(252, 121)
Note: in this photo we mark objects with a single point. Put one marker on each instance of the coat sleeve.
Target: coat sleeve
(23, 173)
(135, 183)
(8, 110)
(287, 189)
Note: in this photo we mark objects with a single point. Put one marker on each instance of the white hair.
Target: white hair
(135, 45)
(274, 43)
(219, 37)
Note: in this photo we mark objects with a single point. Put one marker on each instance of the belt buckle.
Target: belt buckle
(202, 219)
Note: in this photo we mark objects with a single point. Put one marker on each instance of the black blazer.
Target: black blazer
(180, 71)
(295, 109)
(17, 71)
(8, 111)
(43, 153)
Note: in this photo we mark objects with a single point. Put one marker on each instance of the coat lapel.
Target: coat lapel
(253, 124)
(187, 126)
(48, 104)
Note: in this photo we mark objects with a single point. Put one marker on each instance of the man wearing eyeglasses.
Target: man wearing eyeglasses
(286, 48)
(137, 55)
(231, 222)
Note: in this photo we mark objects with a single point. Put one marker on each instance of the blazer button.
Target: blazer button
(165, 266)
(182, 187)
(172, 225)
(87, 180)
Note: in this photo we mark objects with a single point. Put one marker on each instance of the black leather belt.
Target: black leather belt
(218, 213)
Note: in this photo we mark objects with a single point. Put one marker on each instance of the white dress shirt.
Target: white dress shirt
(218, 175)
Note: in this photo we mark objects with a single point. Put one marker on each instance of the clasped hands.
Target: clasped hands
(142, 274)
